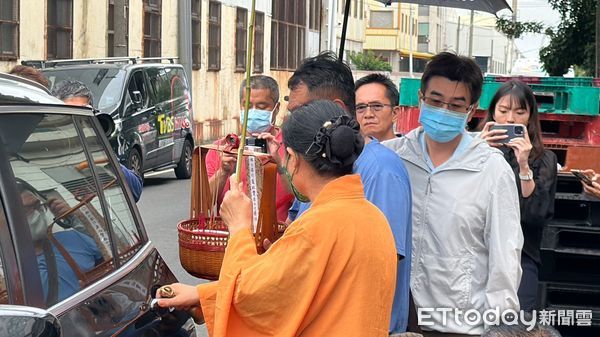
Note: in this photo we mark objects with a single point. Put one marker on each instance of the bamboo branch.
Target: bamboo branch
(249, 52)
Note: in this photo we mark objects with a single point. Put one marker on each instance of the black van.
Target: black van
(149, 103)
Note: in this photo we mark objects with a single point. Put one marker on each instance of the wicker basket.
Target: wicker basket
(202, 247)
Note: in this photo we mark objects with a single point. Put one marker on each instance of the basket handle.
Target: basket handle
(201, 196)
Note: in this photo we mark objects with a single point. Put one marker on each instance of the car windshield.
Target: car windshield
(105, 83)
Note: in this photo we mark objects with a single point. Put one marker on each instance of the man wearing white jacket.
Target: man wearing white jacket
(467, 235)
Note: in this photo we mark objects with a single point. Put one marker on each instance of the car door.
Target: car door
(140, 128)
(96, 267)
(164, 113)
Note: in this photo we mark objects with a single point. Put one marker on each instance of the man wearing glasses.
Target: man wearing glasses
(467, 235)
(376, 106)
(386, 181)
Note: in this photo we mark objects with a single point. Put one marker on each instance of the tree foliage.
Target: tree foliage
(369, 61)
(514, 30)
(572, 43)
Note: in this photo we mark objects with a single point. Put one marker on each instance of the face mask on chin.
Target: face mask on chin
(38, 224)
(301, 197)
(442, 125)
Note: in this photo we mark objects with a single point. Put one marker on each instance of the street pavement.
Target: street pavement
(164, 203)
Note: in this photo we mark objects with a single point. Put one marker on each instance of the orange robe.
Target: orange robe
(332, 273)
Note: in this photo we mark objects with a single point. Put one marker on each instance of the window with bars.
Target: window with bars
(59, 29)
(241, 35)
(259, 41)
(196, 33)
(152, 28)
(9, 29)
(314, 21)
(288, 32)
(214, 35)
(112, 30)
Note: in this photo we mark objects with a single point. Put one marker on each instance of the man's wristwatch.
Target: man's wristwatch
(526, 177)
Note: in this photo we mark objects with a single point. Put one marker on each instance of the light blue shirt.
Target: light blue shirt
(387, 186)
(83, 250)
(462, 146)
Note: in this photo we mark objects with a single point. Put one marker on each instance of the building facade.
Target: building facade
(286, 31)
(392, 34)
(491, 49)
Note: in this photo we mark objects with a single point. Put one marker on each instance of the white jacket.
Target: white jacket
(467, 236)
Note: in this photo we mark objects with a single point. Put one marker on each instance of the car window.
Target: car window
(160, 84)
(177, 82)
(59, 194)
(137, 83)
(105, 83)
(126, 236)
(3, 289)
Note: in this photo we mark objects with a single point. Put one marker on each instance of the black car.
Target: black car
(75, 259)
(150, 104)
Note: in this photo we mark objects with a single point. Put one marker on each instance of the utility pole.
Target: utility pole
(471, 34)
(512, 40)
(120, 29)
(410, 51)
(491, 68)
(184, 39)
(331, 24)
(458, 37)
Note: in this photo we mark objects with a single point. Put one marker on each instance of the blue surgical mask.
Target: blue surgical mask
(258, 120)
(442, 125)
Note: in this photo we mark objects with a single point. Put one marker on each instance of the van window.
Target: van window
(106, 84)
(168, 83)
(160, 84)
(138, 83)
(60, 197)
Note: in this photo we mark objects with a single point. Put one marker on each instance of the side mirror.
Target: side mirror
(107, 123)
(136, 97)
(27, 321)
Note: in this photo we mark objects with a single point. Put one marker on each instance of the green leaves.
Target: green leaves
(369, 61)
(515, 30)
(572, 43)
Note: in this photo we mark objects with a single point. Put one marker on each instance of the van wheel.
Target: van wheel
(184, 167)
(134, 163)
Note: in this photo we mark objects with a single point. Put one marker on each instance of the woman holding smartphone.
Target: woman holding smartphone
(592, 185)
(535, 171)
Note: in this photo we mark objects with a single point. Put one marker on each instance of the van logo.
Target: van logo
(168, 124)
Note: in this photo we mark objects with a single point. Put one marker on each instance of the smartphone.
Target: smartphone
(256, 144)
(581, 176)
(512, 131)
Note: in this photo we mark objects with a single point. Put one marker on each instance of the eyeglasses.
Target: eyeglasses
(36, 206)
(460, 107)
(375, 107)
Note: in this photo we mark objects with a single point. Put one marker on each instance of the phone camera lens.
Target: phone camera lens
(519, 131)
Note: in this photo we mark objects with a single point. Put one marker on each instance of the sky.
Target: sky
(534, 10)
